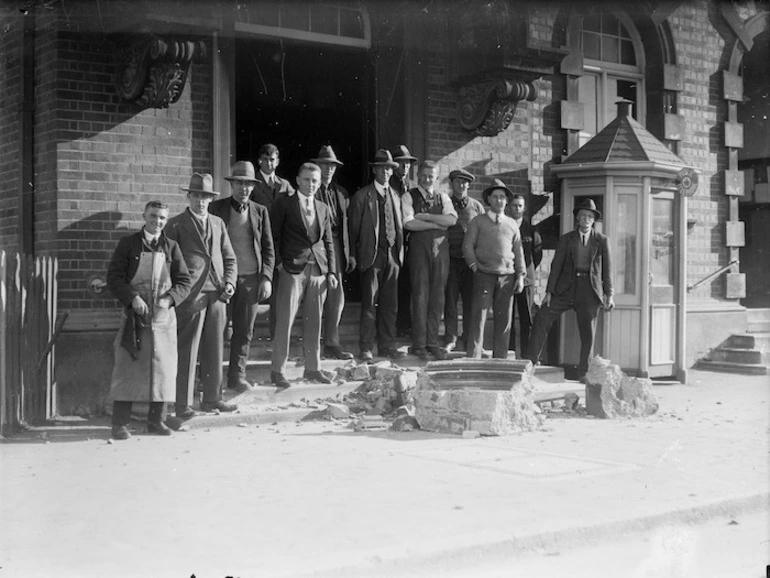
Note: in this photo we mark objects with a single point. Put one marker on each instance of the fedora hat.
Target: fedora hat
(242, 171)
(461, 174)
(403, 154)
(383, 158)
(326, 155)
(498, 184)
(587, 205)
(201, 183)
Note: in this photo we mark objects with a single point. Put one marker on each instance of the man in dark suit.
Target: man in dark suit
(337, 199)
(304, 250)
(201, 318)
(580, 279)
(377, 248)
(248, 226)
(268, 188)
(400, 183)
(533, 254)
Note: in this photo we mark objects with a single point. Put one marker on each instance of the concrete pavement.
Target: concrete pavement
(316, 499)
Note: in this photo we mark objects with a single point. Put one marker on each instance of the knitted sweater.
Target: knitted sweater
(494, 247)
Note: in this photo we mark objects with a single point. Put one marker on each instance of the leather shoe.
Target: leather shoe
(185, 412)
(159, 428)
(336, 352)
(218, 405)
(316, 377)
(120, 432)
(420, 352)
(366, 356)
(392, 353)
(240, 386)
(279, 379)
(437, 352)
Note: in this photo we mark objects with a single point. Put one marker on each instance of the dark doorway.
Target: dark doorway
(300, 96)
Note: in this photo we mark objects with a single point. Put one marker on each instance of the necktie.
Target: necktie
(390, 228)
(154, 244)
(585, 238)
(308, 211)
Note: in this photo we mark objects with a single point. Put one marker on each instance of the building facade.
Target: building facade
(108, 105)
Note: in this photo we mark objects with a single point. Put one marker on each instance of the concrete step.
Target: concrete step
(729, 367)
(758, 320)
(736, 355)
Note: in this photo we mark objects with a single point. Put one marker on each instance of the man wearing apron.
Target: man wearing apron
(148, 275)
(427, 216)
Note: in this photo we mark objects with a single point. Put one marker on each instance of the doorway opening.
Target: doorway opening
(300, 96)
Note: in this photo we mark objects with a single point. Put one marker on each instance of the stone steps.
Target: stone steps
(743, 353)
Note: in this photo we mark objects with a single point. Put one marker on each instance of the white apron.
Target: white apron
(152, 376)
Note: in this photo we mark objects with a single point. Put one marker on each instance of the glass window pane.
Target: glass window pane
(610, 49)
(592, 23)
(295, 17)
(351, 23)
(591, 44)
(610, 24)
(627, 55)
(625, 259)
(323, 19)
(662, 250)
(263, 13)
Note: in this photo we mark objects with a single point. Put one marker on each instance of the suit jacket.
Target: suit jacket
(266, 195)
(293, 243)
(125, 262)
(533, 249)
(343, 202)
(562, 276)
(259, 217)
(215, 253)
(364, 216)
(400, 186)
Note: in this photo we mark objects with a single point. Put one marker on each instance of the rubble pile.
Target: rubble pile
(491, 397)
(611, 393)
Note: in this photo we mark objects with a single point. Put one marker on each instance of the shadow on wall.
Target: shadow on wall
(84, 349)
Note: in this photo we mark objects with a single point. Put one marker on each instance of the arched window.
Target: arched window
(612, 70)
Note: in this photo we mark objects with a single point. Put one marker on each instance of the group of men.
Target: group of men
(267, 241)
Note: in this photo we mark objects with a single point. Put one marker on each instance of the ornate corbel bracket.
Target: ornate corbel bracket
(152, 71)
(487, 109)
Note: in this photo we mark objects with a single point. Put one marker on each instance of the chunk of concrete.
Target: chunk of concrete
(361, 372)
(405, 423)
(337, 411)
(460, 399)
(610, 393)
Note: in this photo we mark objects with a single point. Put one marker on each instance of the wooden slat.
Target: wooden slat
(4, 411)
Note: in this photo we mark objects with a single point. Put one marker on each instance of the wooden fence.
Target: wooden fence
(27, 335)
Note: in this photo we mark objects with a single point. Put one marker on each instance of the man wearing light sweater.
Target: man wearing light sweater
(492, 248)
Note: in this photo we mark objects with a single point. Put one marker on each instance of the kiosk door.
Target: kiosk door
(663, 285)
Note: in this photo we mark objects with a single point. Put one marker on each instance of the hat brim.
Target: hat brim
(594, 211)
(488, 191)
(212, 193)
(470, 179)
(248, 179)
(405, 158)
(384, 164)
(333, 161)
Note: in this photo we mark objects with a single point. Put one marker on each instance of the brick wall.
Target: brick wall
(111, 158)
(704, 112)
(10, 120)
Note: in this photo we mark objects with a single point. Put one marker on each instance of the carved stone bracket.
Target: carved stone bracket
(152, 71)
(487, 109)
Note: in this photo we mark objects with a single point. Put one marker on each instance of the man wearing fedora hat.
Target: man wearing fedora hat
(460, 280)
(400, 183)
(580, 279)
(248, 226)
(202, 317)
(492, 249)
(428, 214)
(337, 199)
(377, 250)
